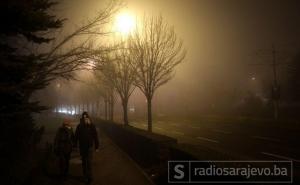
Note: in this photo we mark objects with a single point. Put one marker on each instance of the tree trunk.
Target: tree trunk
(149, 114)
(105, 109)
(111, 108)
(97, 108)
(125, 111)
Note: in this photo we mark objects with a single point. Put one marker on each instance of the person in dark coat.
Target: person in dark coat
(63, 144)
(86, 135)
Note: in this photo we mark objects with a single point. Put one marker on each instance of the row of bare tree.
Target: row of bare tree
(145, 59)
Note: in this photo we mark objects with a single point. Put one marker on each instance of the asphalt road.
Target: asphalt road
(241, 141)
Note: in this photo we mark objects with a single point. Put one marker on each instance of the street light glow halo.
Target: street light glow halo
(124, 23)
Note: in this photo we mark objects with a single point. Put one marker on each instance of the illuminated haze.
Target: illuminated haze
(221, 38)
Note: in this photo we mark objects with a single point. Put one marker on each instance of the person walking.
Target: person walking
(86, 135)
(63, 144)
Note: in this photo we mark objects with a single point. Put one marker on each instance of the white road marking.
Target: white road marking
(280, 156)
(207, 139)
(178, 133)
(222, 131)
(266, 138)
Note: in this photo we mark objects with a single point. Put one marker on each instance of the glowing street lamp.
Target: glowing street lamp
(125, 23)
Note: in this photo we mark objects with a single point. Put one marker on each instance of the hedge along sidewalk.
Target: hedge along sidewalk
(110, 166)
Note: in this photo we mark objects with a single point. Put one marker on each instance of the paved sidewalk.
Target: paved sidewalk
(111, 166)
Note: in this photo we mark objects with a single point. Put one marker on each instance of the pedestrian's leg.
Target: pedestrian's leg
(84, 166)
(89, 166)
(67, 163)
(61, 165)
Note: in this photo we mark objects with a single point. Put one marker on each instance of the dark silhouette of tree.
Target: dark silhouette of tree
(28, 26)
(21, 22)
(24, 70)
(120, 75)
(103, 83)
(106, 90)
(155, 52)
(124, 78)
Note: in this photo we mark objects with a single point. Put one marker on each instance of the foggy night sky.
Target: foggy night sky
(221, 37)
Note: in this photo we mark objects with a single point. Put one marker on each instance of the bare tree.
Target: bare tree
(106, 90)
(156, 51)
(120, 74)
(67, 55)
(28, 64)
(73, 51)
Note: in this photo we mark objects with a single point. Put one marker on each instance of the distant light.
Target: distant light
(91, 64)
(66, 111)
(132, 109)
(63, 110)
(253, 78)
